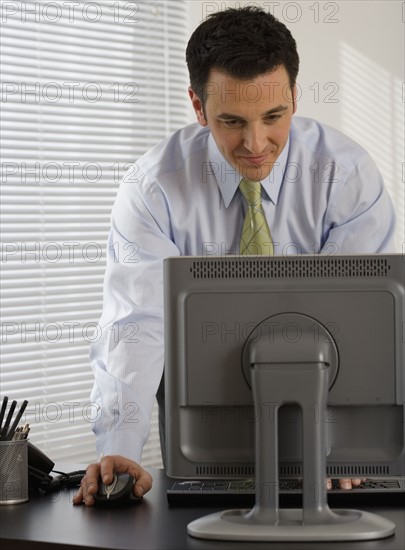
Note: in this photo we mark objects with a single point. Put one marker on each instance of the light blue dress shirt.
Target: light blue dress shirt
(324, 195)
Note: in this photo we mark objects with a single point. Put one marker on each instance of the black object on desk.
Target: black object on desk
(117, 493)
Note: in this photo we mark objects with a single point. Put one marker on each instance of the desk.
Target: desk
(52, 522)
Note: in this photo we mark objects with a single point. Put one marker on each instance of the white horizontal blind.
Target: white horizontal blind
(87, 87)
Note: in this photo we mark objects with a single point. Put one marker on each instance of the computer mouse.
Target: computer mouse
(118, 492)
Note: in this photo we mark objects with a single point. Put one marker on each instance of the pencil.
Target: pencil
(8, 420)
(9, 435)
(3, 410)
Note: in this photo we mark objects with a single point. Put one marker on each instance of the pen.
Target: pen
(8, 420)
(3, 410)
(25, 431)
(17, 434)
(9, 435)
(21, 433)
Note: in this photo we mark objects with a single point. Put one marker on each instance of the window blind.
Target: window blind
(87, 87)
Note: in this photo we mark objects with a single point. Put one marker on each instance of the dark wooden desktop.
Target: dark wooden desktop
(51, 521)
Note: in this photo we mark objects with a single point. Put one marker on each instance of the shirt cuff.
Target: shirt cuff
(120, 442)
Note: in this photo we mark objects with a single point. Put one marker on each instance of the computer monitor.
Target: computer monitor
(342, 315)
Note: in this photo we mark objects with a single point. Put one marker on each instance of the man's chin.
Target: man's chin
(255, 173)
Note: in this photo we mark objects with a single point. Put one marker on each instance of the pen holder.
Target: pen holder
(13, 471)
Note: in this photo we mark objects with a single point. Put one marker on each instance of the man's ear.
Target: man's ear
(197, 106)
(295, 95)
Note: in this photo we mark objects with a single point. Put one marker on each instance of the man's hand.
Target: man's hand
(106, 468)
(346, 483)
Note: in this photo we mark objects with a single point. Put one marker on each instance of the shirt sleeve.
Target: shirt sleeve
(128, 357)
(360, 215)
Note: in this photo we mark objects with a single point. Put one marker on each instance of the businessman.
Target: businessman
(319, 193)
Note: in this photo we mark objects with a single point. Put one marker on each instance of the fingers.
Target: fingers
(143, 480)
(356, 482)
(88, 486)
(346, 483)
(106, 468)
(78, 497)
(350, 483)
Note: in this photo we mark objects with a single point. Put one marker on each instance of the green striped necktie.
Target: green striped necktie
(256, 237)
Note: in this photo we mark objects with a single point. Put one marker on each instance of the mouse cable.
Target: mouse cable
(62, 481)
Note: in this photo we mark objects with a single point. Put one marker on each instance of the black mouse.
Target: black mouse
(118, 492)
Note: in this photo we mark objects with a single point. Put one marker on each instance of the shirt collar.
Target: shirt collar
(228, 178)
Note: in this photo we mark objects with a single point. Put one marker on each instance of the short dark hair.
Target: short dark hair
(243, 43)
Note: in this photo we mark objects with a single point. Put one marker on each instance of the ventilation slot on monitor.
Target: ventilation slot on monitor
(358, 470)
(291, 267)
(224, 471)
(293, 470)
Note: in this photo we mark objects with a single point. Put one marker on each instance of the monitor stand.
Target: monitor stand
(282, 373)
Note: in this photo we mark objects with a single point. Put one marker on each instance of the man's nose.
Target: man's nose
(255, 139)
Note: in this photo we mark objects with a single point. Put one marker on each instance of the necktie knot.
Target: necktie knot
(251, 190)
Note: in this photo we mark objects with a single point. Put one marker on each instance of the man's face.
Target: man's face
(249, 119)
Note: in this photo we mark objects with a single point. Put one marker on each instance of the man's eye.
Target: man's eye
(232, 123)
(273, 118)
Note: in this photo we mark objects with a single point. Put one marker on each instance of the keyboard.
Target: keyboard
(242, 491)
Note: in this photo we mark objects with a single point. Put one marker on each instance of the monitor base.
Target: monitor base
(234, 525)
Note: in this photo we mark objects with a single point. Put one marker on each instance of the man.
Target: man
(320, 193)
